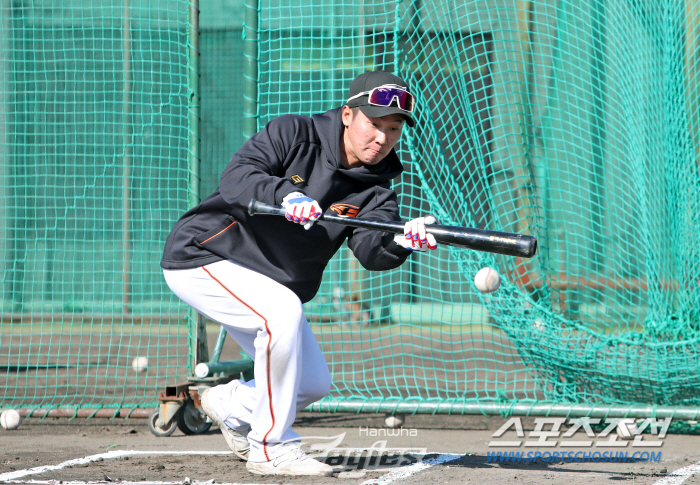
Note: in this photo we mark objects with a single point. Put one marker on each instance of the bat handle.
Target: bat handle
(257, 207)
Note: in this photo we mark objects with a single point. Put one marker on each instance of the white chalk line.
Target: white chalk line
(12, 477)
(105, 456)
(679, 476)
(405, 472)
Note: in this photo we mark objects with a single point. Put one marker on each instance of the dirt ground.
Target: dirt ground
(428, 449)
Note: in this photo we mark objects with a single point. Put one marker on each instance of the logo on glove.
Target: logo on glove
(345, 210)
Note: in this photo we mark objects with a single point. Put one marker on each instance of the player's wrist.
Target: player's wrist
(294, 195)
(403, 243)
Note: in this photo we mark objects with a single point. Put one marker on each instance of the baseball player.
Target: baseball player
(252, 273)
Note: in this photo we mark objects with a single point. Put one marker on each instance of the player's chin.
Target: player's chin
(372, 157)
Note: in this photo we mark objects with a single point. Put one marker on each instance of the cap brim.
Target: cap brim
(372, 111)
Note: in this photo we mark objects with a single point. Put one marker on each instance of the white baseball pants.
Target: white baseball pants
(268, 322)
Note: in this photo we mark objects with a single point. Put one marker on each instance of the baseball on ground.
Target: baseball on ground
(487, 280)
(394, 420)
(626, 428)
(10, 419)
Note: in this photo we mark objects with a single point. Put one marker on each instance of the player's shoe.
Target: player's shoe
(237, 439)
(294, 462)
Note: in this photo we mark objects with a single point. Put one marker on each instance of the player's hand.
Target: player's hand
(415, 236)
(301, 209)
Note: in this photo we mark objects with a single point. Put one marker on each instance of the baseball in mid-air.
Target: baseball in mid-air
(139, 364)
(487, 280)
(10, 419)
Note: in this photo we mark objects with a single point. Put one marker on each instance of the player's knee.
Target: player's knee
(289, 313)
(325, 385)
(319, 386)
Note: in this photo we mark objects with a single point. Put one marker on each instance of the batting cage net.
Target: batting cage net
(573, 121)
(95, 148)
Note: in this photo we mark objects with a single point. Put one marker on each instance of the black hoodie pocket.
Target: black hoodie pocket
(219, 239)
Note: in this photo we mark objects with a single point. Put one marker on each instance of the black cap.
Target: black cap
(368, 81)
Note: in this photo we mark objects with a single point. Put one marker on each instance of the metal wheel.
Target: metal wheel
(156, 429)
(190, 420)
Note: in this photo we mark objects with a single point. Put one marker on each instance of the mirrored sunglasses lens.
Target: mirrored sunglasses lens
(408, 103)
(385, 96)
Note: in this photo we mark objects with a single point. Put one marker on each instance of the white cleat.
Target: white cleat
(294, 463)
(237, 439)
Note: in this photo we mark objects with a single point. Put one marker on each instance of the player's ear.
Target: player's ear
(347, 115)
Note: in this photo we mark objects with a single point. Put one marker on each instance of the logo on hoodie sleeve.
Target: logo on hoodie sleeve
(345, 210)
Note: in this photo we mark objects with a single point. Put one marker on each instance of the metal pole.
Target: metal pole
(488, 409)
(85, 413)
(413, 266)
(692, 22)
(362, 36)
(506, 409)
(19, 107)
(250, 68)
(598, 132)
(194, 104)
(198, 336)
(218, 347)
(126, 172)
(211, 369)
(523, 180)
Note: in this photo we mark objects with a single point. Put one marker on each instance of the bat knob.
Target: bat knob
(251, 207)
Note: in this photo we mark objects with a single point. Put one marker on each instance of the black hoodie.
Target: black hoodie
(292, 153)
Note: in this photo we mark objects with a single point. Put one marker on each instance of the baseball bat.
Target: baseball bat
(462, 237)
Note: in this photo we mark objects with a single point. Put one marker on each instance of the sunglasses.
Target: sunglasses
(386, 94)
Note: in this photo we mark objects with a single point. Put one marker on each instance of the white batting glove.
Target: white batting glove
(301, 209)
(415, 236)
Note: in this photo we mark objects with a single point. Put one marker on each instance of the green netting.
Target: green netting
(575, 121)
(221, 66)
(94, 164)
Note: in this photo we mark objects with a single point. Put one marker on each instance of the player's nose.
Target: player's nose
(380, 137)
